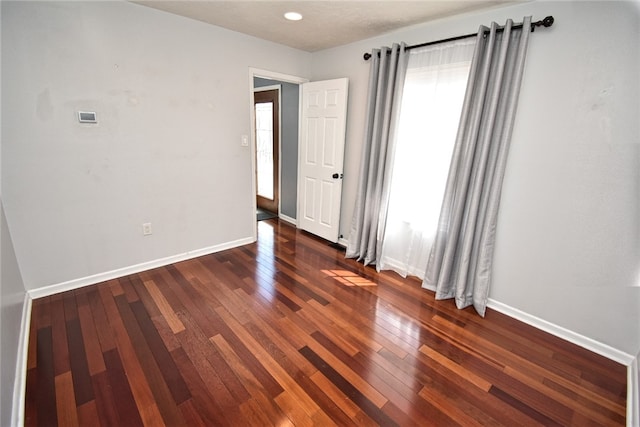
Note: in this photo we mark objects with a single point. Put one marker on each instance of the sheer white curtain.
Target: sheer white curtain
(432, 100)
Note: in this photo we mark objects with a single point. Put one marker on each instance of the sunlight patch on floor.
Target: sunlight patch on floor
(348, 278)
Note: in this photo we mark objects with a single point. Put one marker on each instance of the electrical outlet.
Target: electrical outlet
(146, 229)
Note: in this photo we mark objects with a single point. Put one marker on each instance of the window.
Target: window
(432, 101)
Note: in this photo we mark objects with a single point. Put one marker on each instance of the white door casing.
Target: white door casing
(321, 156)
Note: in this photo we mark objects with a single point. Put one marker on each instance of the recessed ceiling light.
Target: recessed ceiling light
(293, 16)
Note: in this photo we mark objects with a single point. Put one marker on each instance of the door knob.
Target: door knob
(336, 176)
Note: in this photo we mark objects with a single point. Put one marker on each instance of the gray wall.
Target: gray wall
(12, 295)
(172, 100)
(568, 236)
(289, 144)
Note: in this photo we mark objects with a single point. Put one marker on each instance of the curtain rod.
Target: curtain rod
(546, 22)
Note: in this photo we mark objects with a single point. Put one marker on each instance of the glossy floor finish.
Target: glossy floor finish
(288, 332)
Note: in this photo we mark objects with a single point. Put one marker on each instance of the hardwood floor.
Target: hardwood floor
(288, 332)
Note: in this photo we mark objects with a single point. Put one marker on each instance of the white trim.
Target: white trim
(299, 160)
(20, 384)
(280, 148)
(252, 150)
(343, 242)
(274, 75)
(137, 268)
(633, 393)
(288, 219)
(266, 88)
(270, 75)
(573, 337)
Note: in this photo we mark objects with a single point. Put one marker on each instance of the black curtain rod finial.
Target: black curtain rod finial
(366, 56)
(546, 22)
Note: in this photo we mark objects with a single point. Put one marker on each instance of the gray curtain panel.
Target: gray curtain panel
(460, 260)
(386, 80)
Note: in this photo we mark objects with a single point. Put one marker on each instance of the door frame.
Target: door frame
(277, 88)
(271, 75)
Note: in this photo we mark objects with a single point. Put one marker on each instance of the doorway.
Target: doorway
(326, 135)
(289, 134)
(267, 151)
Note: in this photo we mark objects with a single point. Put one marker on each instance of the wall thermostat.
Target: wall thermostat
(87, 117)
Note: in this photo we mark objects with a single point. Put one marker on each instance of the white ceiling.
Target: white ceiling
(325, 24)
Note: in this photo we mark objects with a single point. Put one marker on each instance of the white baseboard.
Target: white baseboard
(633, 393)
(137, 268)
(20, 384)
(566, 334)
(343, 242)
(288, 219)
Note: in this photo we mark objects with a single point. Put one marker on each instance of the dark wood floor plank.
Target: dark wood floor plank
(388, 385)
(251, 362)
(191, 414)
(158, 350)
(32, 351)
(103, 329)
(79, 366)
(191, 300)
(90, 338)
(198, 348)
(592, 409)
(128, 284)
(434, 376)
(287, 331)
(370, 408)
(45, 391)
(107, 410)
(531, 373)
(59, 336)
(41, 312)
(347, 406)
(279, 349)
(248, 357)
(157, 318)
(207, 406)
(523, 407)
(140, 389)
(253, 385)
(344, 316)
(123, 402)
(152, 372)
(70, 305)
(292, 389)
(31, 398)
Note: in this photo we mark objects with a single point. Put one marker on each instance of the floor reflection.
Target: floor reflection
(265, 274)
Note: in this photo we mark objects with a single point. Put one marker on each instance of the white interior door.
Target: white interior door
(321, 156)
